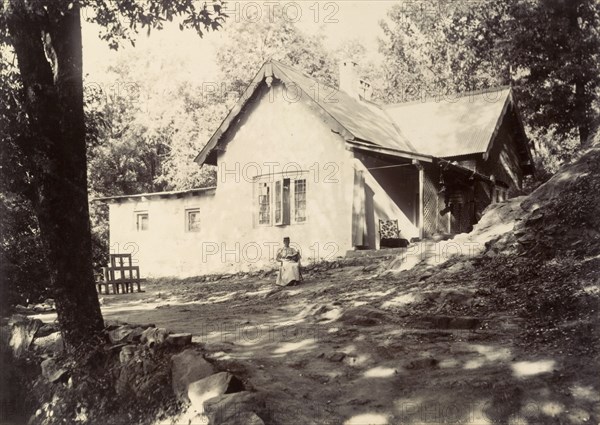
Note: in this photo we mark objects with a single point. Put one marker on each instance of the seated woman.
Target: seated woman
(289, 270)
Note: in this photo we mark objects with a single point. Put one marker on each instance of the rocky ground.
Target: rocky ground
(504, 332)
(354, 346)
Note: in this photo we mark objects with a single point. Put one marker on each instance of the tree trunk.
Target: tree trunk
(49, 52)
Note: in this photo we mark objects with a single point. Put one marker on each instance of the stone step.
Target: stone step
(385, 252)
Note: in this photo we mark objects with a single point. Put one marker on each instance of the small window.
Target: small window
(192, 220)
(141, 221)
(264, 203)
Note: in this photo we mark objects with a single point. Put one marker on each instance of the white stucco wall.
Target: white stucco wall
(279, 133)
(166, 248)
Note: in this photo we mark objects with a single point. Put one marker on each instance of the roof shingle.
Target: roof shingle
(365, 120)
(452, 127)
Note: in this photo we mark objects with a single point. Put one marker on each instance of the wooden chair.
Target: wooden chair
(121, 275)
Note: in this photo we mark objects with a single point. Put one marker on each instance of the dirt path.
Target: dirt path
(345, 347)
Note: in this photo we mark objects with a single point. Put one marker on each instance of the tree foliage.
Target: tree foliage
(554, 47)
(49, 134)
(428, 51)
(154, 126)
(143, 134)
(158, 122)
(249, 46)
(22, 264)
(548, 49)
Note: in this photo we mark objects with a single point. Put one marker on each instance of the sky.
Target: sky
(339, 21)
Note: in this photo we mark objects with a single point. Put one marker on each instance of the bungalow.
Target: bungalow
(330, 169)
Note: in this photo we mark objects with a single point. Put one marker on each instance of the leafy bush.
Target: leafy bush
(23, 267)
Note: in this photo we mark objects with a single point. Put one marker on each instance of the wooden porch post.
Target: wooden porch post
(421, 186)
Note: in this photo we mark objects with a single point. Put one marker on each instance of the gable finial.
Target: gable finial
(269, 72)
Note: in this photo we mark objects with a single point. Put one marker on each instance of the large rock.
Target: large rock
(42, 308)
(179, 340)
(141, 374)
(52, 371)
(16, 318)
(46, 329)
(119, 335)
(187, 367)
(127, 353)
(154, 336)
(212, 386)
(21, 309)
(242, 408)
(128, 375)
(52, 343)
(124, 334)
(23, 331)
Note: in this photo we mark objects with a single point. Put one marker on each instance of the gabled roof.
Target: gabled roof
(366, 121)
(352, 118)
(452, 126)
(463, 125)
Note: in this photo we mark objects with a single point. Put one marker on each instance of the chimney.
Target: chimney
(365, 90)
(351, 84)
(348, 78)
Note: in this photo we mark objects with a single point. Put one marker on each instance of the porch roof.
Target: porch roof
(459, 125)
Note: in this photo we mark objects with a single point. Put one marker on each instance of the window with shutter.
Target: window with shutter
(280, 202)
(300, 200)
